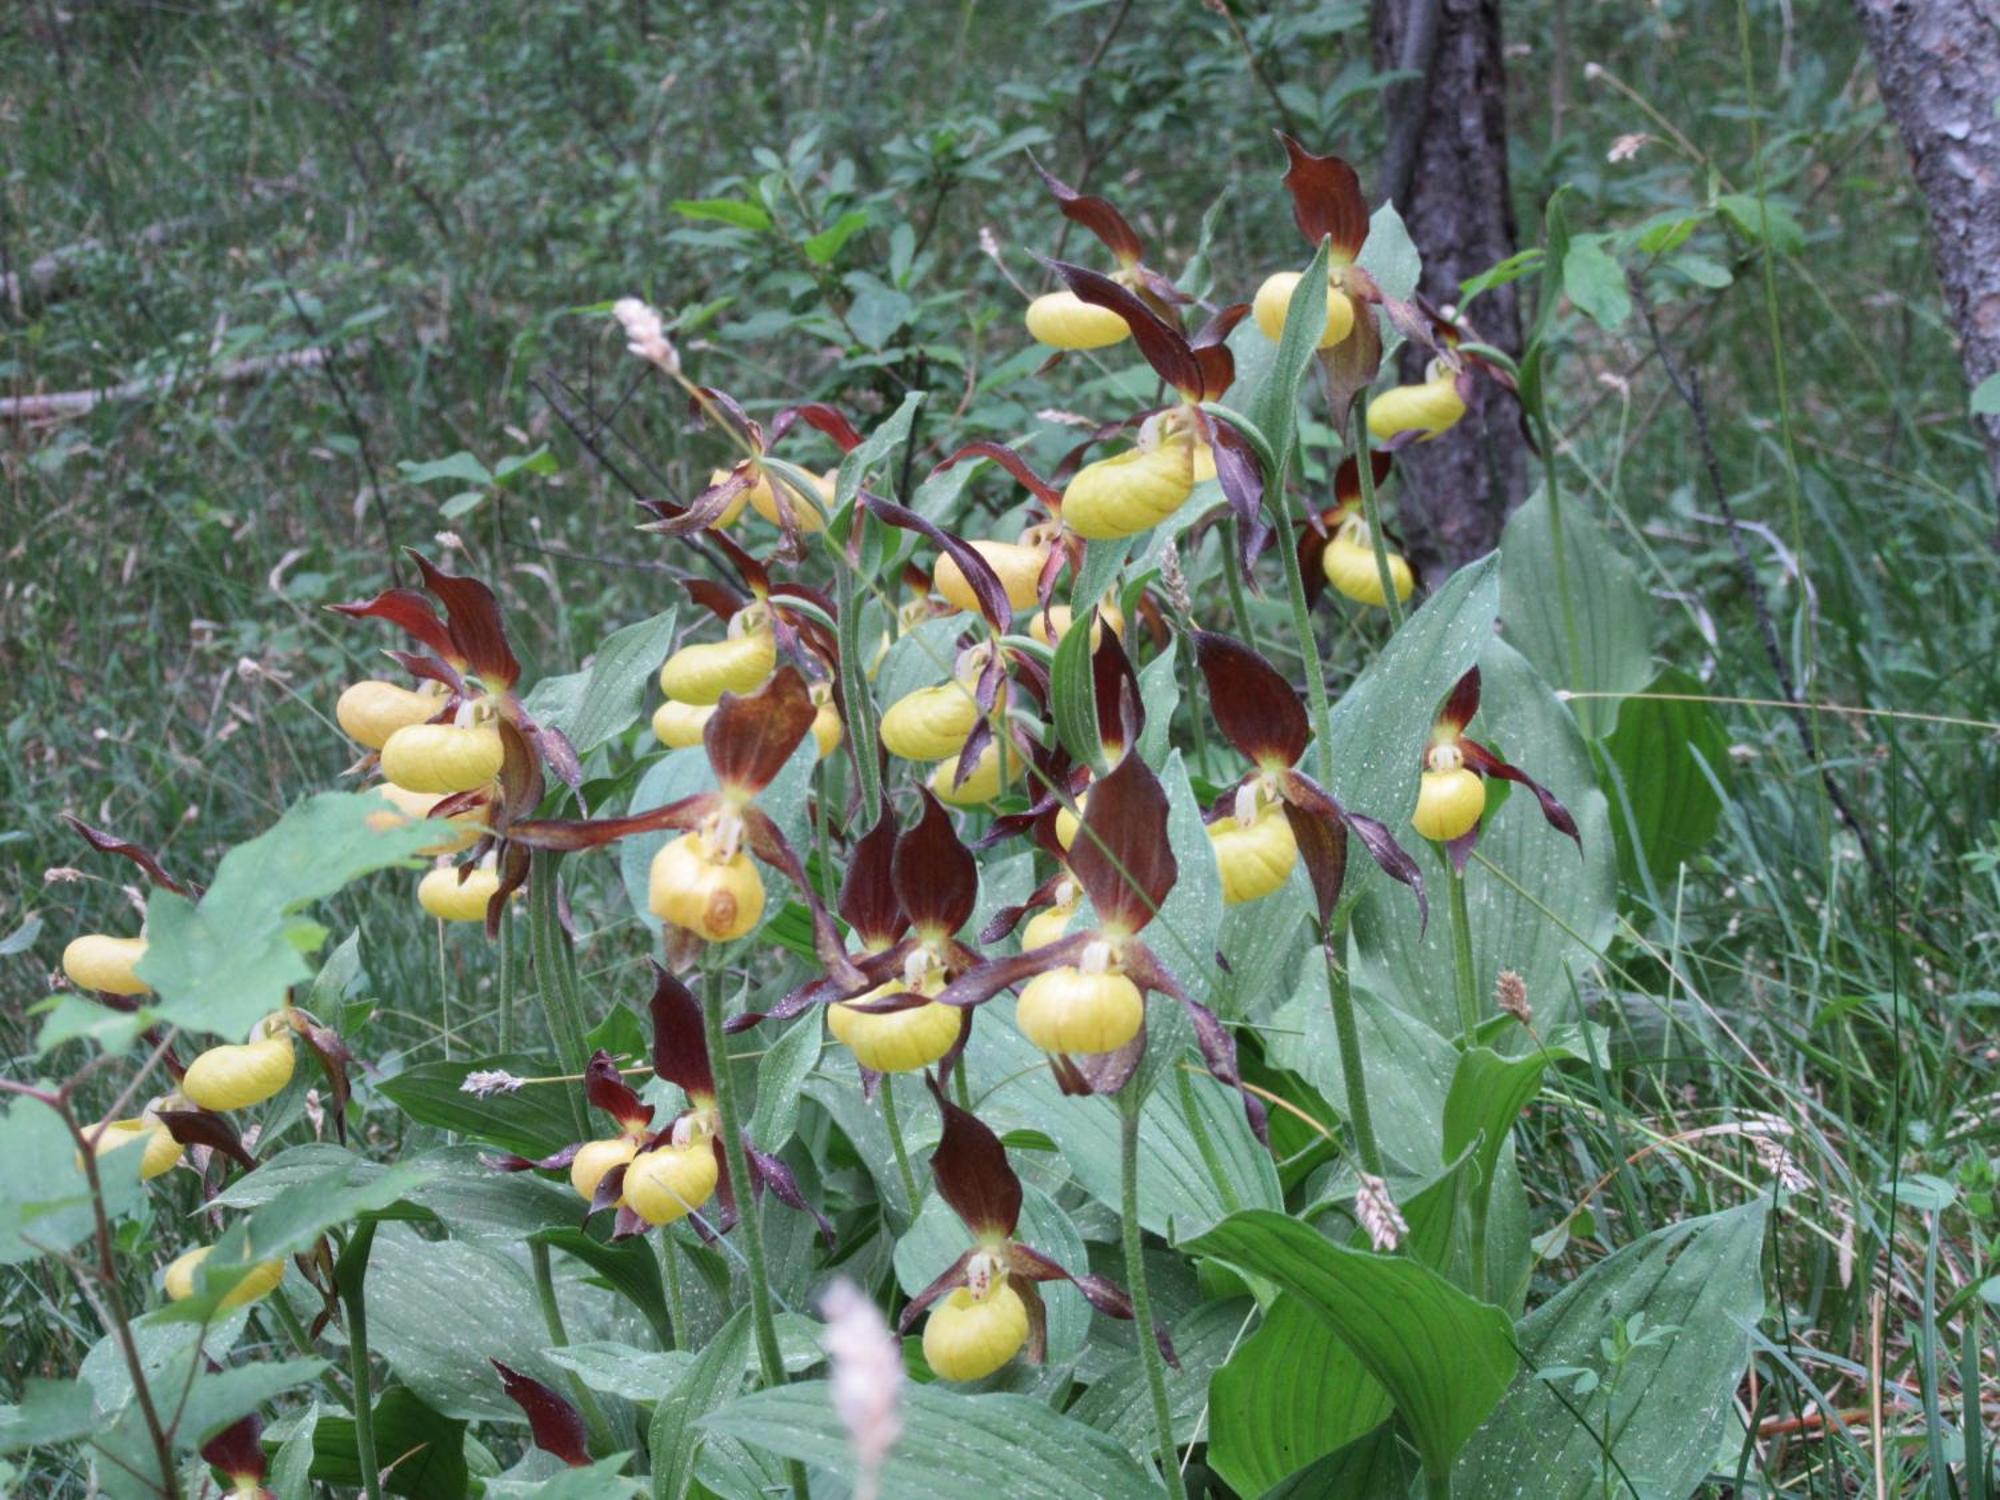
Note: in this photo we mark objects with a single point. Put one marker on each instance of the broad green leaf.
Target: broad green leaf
(780, 1073)
(1160, 694)
(1986, 397)
(1391, 257)
(219, 1397)
(423, 1450)
(1671, 1407)
(952, 1444)
(1612, 611)
(674, 1436)
(291, 1466)
(159, 1345)
(532, 1122)
(629, 1265)
(824, 246)
(1379, 1464)
(50, 1412)
(1661, 757)
(1274, 403)
(1073, 699)
(598, 1481)
(310, 1188)
(1595, 281)
(439, 1310)
(621, 1370)
(1119, 1402)
(603, 701)
(44, 1194)
(1764, 220)
(1443, 1358)
(475, 1202)
(1537, 905)
(723, 210)
(460, 466)
(222, 965)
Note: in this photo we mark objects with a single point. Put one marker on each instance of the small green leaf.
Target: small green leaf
(1986, 396)
(461, 466)
(1513, 268)
(464, 503)
(541, 462)
(780, 1073)
(291, 1467)
(1763, 220)
(428, 1449)
(1073, 697)
(735, 211)
(1274, 405)
(50, 1412)
(1595, 281)
(1665, 759)
(824, 246)
(594, 706)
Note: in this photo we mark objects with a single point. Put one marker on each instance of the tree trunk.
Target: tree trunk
(1938, 66)
(1448, 141)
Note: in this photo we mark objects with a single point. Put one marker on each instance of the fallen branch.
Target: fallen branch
(56, 404)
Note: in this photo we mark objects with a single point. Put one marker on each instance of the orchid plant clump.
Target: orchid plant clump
(955, 776)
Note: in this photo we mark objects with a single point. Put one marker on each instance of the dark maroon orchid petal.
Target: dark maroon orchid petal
(626, 1224)
(521, 781)
(822, 418)
(990, 978)
(1121, 714)
(1459, 850)
(198, 1127)
(1352, 365)
(515, 864)
(610, 1189)
(1300, 791)
(1036, 1349)
(1217, 329)
(1347, 478)
(769, 844)
(680, 1046)
(1100, 1292)
(1094, 214)
(1326, 200)
(428, 668)
(967, 760)
(979, 575)
(767, 1171)
(950, 1280)
(972, 1173)
(1014, 464)
(1461, 704)
(1241, 476)
(556, 1424)
(709, 507)
(1005, 920)
(333, 1057)
(1486, 763)
(750, 736)
(1101, 1072)
(956, 1051)
(409, 611)
(892, 1003)
(238, 1450)
(868, 901)
(725, 411)
(1322, 845)
(1121, 856)
(1218, 370)
(719, 599)
(472, 614)
(144, 858)
(1165, 347)
(1218, 1050)
(571, 834)
(1159, 293)
(605, 1087)
(508, 1162)
(936, 878)
(1256, 709)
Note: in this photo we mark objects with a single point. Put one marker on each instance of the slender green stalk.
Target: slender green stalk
(555, 978)
(670, 1271)
(1340, 993)
(1545, 439)
(729, 1123)
(1295, 588)
(444, 992)
(1461, 955)
(1204, 1143)
(552, 1320)
(352, 1275)
(895, 1124)
(1232, 572)
(1130, 1105)
(509, 978)
(1372, 513)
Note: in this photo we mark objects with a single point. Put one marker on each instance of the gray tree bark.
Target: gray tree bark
(1446, 172)
(1938, 65)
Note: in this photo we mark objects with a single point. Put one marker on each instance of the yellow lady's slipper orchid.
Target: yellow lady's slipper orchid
(162, 1152)
(1450, 798)
(1254, 858)
(443, 758)
(238, 1075)
(595, 1158)
(678, 726)
(1107, 614)
(902, 1041)
(1430, 408)
(449, 899)
(968, 1337)
(703, 672)
(1349, 565)
(986, 781)
(930, 723)
(1063, 320)
(460, 831)
(1068, 1009)
(261, 1280)
(761, 485)
(369, 712)
(98, 961)
(806, 516)
(717, 898)
(1018, 564)
(1130, 492)
(670, 1182)
(827, 727)
(1274, 301)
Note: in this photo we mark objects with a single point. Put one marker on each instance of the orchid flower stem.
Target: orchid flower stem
(552, 1320)
(670, 1270)
(1347, 1031)
(729, 1124)
(1461, 957)
(1131, 1104)
(555, 977)
(895, 1124)
(509, 978)
(961, 1085)
(1308, 648)
(1204, 1143)
(1545, 439)
(1364, 463)
(1239, 602)
(350, 1277)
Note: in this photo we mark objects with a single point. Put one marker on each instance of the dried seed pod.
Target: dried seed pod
(1274, 301)
(239, 1075)
(968, 1336)
(369, 712)
(1063, 320)
(718, 900)
(900, 1041)
(443, 758)
(449, 899)
(671, 1182)
(1069, 1010)
(262, 1279)
(931, 723)
(1130, 492)
(1018, 565)
(1254, 858)
(98, 961)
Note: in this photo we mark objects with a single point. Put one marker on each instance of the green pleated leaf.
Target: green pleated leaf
(1073, 699)
(674, 1437)
(531, 1122)
(423, 1450)
(604, 700)
(1274, 405)
(1665, 759)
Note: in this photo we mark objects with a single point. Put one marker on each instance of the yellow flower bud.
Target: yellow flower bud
(716, 900)
(443, 758)
(595, 1158)
(446, 897)
(1019, 567)
(162, 1152)
(1069, 1010)
(1063, 320)
(806, 516)
(984, 784)
(460, 831)
(671, 1182)
(1431, 408)
(743, 497)
(238, 1075)
(98, 961)
(1256, 859)
(903, 1041)
(1130, 492)
(1274, 300)
(968, 1337)
(257, 1284)
(1107, 613)
(1068, 823)
(1449, 803)
(700, 674)
(369, 712)
(1350, 567)
(930, 723)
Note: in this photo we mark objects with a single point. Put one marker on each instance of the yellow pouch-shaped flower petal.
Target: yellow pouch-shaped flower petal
(237, 1076)
(1255, 860)
(1130, 492)
(369, 712)
(930, 723)
(98, 961)
(669, 1183)
(443, 758)
(1019, 567)
(1067, 1010)
(1063, 320)
(1350, 568)
(718, 901)
(1449, 803)
(702, 673)
(446, 897)
(1274, 300)
(966, 1338)
(1431, 408)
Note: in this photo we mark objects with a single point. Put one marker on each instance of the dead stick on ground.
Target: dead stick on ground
(57, 404)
